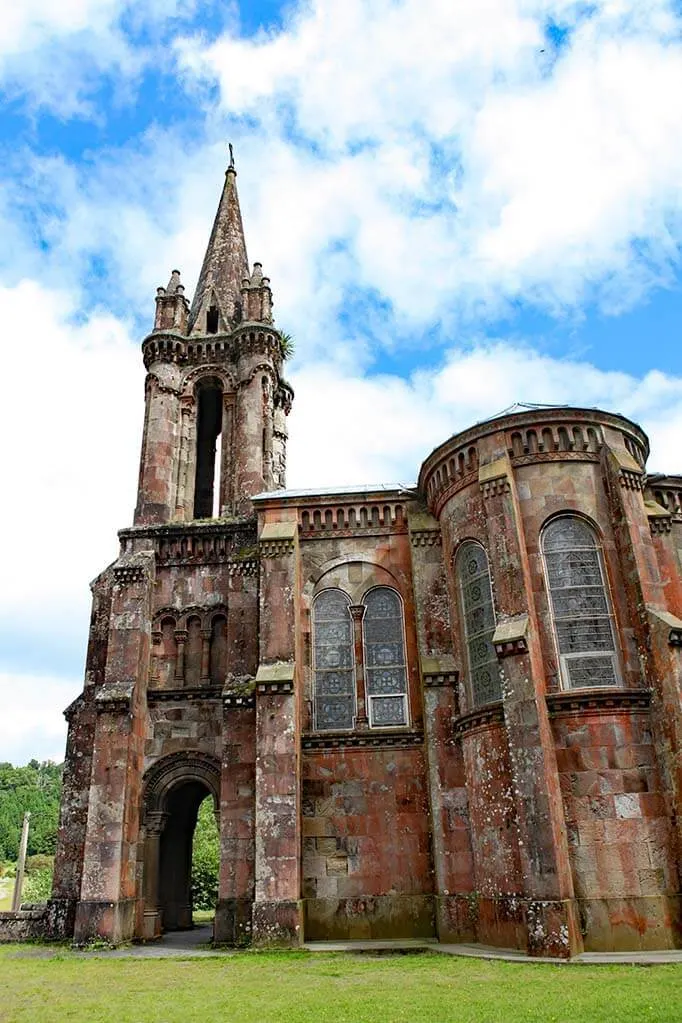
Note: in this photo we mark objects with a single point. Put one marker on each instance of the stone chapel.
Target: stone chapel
(450, 712)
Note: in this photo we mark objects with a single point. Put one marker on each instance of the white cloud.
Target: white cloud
(348, 428)
(32, 724)
(554, 173)
(71, 414)
(53, 52)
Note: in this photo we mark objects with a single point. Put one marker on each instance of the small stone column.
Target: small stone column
(180, 641)
(205, 657)
(357, 613)
(155, 821)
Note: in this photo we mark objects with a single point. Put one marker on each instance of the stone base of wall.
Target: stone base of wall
(113, 922)
(627, 925)
(232, 924)
(50, 921)
(24, 925)
(537, 927)
(375, 917)
(277, 924)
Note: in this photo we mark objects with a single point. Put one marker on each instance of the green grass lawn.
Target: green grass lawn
(292, 987)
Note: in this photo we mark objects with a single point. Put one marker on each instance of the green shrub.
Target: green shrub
(205, 859)
(37, 885)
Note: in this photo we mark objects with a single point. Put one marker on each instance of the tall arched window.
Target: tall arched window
(385, 672)
(334, 677)
(581, 610)
(478, 616)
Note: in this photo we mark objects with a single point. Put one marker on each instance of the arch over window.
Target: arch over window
(333, 671)
(478, 617)
(581, 610)
(385, 671)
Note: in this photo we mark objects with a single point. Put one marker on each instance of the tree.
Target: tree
(37, 788)
(205, 858)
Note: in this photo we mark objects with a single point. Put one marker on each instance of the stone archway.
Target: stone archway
(174, 788)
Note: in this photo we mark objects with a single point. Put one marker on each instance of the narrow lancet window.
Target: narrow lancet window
(478, 617)
(580, 606)
(334, 676)
(209, 424)
(212, 320)
(385, 671)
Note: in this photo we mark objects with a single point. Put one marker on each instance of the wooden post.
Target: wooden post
(19, 879)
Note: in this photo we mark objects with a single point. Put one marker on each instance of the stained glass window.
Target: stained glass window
(385, 672)
(333, 665)
(478, 615)
(581, 612)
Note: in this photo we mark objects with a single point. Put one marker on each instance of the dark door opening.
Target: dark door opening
(175, 855)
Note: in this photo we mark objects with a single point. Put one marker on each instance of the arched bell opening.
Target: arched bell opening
(175, 788)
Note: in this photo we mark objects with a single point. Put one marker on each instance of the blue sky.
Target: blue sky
(460, 206)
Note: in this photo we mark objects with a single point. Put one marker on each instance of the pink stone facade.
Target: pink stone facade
(392, 750)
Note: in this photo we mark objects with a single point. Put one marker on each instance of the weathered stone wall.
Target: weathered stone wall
(367, 869)
(618, 828)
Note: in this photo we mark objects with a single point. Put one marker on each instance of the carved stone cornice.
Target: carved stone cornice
(426, 538)
(631, 480)
(490, 716)
(183, 695)
(384, 739)
(231, 543)
(604, 700)
(495, 488)
(275, 548)
(127, 575)
(357, 611)
(433, 680)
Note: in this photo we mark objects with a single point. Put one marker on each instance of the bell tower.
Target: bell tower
(215, 401)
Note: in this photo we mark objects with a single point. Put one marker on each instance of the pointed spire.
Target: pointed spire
(225, 263)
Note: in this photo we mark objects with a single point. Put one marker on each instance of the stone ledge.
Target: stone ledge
(601, 700)
(180, 695)
(482, 717)
(331, 741)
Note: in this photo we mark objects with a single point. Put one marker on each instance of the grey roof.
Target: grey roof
(364, 488)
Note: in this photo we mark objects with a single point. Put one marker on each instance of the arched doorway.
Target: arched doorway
(174, 789)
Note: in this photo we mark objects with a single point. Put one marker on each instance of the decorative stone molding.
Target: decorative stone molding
(276, 548)
(114, 697)
(530, 435)
(239, 691)
(630, 480)
(277, 539)
(511, 636)
(426, 538)
(384, 739)
(201, 543)
(671, 622)
(361, 518)
(275, 678)
(495, 488)
(604, 700)
(660, 519)
(188, 695)
(127, 575)
(164, 774)
(483, 717)
(439, 671)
